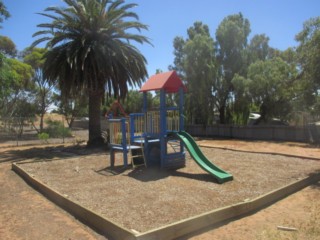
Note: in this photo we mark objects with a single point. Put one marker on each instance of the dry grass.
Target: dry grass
(308, 229)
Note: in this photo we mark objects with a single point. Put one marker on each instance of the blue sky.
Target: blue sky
(280, 20)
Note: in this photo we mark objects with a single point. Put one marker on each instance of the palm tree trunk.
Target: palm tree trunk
(95, 138)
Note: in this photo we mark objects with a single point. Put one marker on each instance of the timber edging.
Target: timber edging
(88, 217)
(171, 231)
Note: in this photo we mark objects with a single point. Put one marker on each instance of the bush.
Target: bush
(56, 129)
(43, 137)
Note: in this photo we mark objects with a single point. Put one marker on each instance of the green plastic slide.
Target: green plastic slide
(201, 160)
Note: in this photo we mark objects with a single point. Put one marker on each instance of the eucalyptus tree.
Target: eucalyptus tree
(14, 78)
(242, 103)
(258, 48)
(195, 63)
(8, 47)
(271, 85)
(208, 66)
(43, 88)
(71, 108)
(90, 47)
(308, 54)
(200, 73)
(134, 102)
(178, 45)
(231, 36)
(4, 14)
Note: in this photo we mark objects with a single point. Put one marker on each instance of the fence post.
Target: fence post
(63, 129)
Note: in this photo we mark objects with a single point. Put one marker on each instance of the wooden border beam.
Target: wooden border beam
(171, 231)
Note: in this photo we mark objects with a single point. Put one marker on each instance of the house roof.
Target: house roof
(169, 81)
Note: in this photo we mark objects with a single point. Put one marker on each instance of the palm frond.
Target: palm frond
(90, 47)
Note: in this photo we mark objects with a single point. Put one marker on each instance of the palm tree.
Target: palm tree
(89, 48)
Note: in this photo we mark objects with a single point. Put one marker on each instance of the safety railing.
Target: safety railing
(153, 122)
(119, 131)
(173, 120)
(137, 126)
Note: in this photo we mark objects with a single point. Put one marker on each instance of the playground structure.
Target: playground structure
(157, 137)
(115, 110)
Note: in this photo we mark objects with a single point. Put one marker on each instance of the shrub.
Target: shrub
(56, 129)
(43, 137)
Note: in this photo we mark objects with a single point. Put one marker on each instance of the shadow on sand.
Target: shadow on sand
(39, 153)
(149, 174)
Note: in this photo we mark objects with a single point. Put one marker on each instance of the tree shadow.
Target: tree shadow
(47, 153)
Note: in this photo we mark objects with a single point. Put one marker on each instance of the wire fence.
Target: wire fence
(18, 131)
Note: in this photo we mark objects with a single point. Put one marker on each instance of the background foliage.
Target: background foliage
(228, 76)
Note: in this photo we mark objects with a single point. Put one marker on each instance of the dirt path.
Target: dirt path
(283, 148)
(26, 214)
(299, 211)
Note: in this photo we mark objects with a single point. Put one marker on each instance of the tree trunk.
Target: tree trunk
(95, 138)
(222, 115)
(41, 121)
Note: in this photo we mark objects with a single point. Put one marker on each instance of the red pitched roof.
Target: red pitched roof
(169, 81)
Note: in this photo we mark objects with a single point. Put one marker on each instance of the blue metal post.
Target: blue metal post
(145, 102)
(132, 128)
(163, 126)
(145, 110)
(181, 116)
(181, 103)
(124, 141)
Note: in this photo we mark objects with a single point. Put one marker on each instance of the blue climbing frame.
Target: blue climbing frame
(152, 129)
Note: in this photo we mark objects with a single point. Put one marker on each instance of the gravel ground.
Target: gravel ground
(144, 199)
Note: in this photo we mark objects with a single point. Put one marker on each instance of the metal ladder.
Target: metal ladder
(139, 153)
